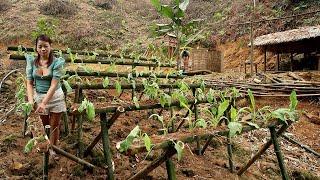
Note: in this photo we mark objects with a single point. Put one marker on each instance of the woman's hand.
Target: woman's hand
(41, 108)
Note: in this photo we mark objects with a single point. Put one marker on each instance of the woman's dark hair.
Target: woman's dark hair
(185, 53)
(44, 38)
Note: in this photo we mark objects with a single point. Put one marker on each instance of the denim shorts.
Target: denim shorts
(56, 104)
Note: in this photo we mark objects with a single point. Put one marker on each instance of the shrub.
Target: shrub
(63, 8)
(104, 4)
(4, 5)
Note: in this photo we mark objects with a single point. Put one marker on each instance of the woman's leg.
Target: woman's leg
(55, 127)
(45, 120)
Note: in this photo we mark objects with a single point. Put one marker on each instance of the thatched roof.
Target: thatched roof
(293, 35)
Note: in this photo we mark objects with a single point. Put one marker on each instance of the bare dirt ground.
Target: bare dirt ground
(213, 164)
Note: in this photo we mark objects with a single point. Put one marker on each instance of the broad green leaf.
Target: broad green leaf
(223, 107)
(210, 96)
(90, 110)
(201, 123)
(233, 114)
(234, 128)
(253, 124)
(167, 11)
(125, 144)
(253, 103)
(159, 118)
(183, 6)
(118, 87)
(67, 86)
(136, 102)
(179, 146)
(28, 147)
(293, 101)
(156, 4)
(147, 141)
(105, 82)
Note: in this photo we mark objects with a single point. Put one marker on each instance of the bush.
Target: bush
(104, 4)
(4, 5)
(63, 8)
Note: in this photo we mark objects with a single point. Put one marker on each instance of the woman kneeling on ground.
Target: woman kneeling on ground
(43, 86)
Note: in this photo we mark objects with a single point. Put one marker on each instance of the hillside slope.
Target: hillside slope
(112, 24)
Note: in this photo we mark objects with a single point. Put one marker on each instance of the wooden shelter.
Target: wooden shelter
(304, 40)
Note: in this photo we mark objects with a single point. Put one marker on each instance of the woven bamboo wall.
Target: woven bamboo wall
(203, 59)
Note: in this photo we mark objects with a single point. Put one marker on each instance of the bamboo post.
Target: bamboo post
(72, 157)
(206, 145)
(25, 125)
(76, 100)
(301, 145)
(170, 151)
(230, 156)
(262, 149)
(65, 123)
(115, 116)
(106, 144)
(80, 130)
(170, 170)
(195, 111)
(265, 59)
(46, 157)
(277, 150)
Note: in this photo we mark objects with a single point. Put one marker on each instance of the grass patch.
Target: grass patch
(63, 8)
(5, 5)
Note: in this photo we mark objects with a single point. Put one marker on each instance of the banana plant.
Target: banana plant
(89, 107)
(234, 125)
(287, 114)
(217, 114)
(135, 133)
(262, 113)
(184, 32)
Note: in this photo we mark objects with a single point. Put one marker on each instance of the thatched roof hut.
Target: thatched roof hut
(301, 40)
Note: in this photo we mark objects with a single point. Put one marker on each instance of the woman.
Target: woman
(43, 85)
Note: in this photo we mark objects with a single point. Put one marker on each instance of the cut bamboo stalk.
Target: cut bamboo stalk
(106, 145)
(72, 157)
(277, 150)
(46, 157)
(170, 170)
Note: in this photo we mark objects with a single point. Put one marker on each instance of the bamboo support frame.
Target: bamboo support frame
(301, 145)
(110, 122)
(101, 54)
(80, 124)
(72, 157)
(170, 151)
(277, 150)
(105, 61)
(262, 149)
(106, 145)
